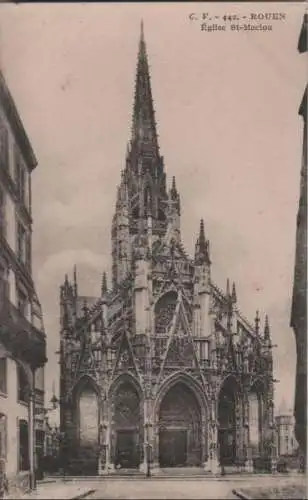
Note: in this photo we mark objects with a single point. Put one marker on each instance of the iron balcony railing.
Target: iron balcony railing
(19, 336)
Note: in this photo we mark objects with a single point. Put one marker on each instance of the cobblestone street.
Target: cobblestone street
(189, 487)
(162, 489)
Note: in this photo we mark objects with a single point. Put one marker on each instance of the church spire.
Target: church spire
(144, 126)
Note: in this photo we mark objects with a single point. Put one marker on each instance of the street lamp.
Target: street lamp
(56, 403)
(103, 446)
(148, 449)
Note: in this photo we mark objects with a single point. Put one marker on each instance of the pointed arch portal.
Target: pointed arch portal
(255, 408)
(227, 406)
(87, 403)
(179, 428)
(127, 425)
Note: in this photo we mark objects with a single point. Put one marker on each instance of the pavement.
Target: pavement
(56, 489)
(122, 488)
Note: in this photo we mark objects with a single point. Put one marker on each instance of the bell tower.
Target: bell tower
(142, 193)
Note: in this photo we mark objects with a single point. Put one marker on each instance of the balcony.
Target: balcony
(20, 337)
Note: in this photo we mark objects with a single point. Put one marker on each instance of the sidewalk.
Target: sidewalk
(56, 489)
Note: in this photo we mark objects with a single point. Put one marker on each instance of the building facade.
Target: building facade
(299, 302)
(286, 442)
(22, 337)
(162, 367)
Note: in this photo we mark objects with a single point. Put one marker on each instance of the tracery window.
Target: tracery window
(127, 406)
(164, 311)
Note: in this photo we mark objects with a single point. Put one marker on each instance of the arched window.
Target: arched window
(164, 311)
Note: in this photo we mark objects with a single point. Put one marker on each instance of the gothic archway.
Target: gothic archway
(87, 404)
(255, 406)
(180, 428)
(227, 413)
(127, 434)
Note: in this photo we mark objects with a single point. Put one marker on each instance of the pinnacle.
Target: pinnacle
(228, 288)
(104, 284)
(202, 246)
(266, 328)
(202, 234)
(233, 295)
(257, 322)
(75, 279)
(173, 190)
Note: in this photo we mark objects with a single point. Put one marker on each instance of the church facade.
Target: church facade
(162, 367)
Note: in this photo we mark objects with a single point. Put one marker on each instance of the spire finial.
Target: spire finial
(233, 295)
(104, 284)
(173, 190)
(266, 328)
(228, 288)
(257, 322)
(141, 31)
(85, 308)
(202, 234)
(75, 280)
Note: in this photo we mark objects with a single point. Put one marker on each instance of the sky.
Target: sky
(227, 111)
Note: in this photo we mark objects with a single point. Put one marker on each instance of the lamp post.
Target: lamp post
(103, 448)
(55, 403)
(31, 433)
(148, 449)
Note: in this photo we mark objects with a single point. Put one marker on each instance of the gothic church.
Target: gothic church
(162, 367)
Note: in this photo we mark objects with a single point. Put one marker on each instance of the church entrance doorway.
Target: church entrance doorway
(86, 458)
(128, 427)
(179, 428)
(173, 448)
(126, 449)
(227, 422)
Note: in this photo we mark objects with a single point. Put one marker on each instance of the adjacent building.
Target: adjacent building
(299, 303)
(22, 337)
(162, 367)
(286, 442)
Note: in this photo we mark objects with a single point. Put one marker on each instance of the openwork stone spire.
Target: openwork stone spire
(144, 126)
